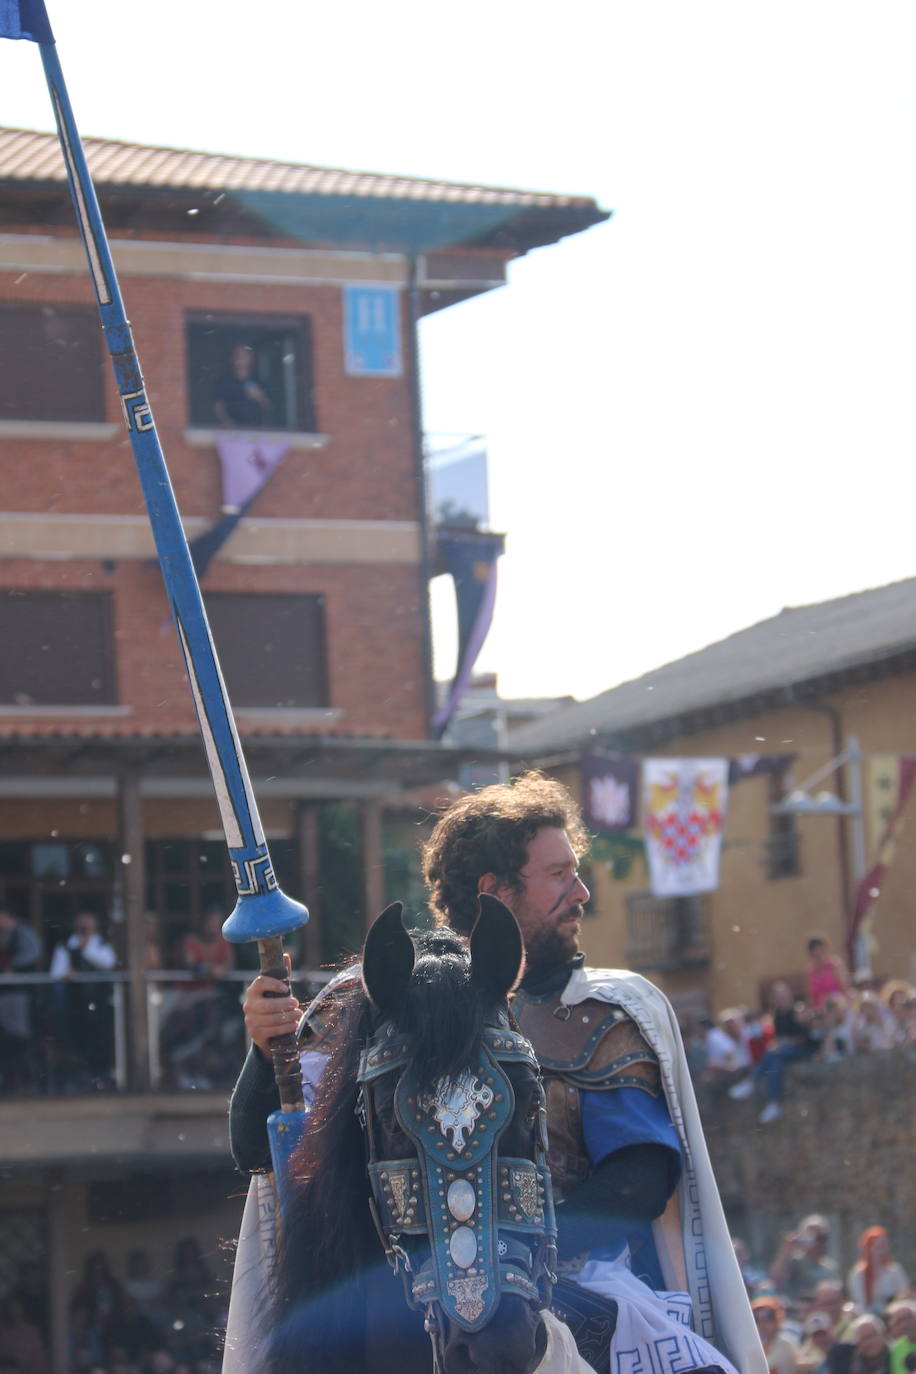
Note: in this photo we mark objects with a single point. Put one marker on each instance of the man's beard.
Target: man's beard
(553, 945)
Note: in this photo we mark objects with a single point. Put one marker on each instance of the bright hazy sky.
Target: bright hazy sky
(698, 413)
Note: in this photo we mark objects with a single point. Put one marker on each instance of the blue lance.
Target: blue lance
(263, 912)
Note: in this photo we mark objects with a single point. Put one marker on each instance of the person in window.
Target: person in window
(239, 401)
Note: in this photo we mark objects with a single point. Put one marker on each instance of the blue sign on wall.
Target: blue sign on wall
(372, 331)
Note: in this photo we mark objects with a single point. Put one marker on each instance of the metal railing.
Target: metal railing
(69, 1036)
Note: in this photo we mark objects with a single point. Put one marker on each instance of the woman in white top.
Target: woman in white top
(876, 1279)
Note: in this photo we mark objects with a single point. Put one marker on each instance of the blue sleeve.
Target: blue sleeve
(627, 1116)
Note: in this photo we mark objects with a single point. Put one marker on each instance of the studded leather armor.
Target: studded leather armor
(592, 1045)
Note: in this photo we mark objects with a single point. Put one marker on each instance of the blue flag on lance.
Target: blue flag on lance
(25, 19)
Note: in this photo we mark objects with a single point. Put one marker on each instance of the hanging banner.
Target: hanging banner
(248, 465)
(609, 792)
(684, 802)
(893, 783)
(470, 556)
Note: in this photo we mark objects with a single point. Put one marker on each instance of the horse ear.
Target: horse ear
(496, 947)
(388, 959)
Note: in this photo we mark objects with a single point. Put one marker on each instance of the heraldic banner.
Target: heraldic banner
(684, 803)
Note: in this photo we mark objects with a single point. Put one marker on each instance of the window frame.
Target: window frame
(238, 328)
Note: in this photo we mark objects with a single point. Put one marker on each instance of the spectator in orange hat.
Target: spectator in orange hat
(780, 1349)
(876, 1279)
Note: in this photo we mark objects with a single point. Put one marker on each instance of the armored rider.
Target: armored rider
(639, 1216)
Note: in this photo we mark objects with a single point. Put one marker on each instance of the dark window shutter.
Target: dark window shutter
(52, 363)
(271, 648)
(58, 648)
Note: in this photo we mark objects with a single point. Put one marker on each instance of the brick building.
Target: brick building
(318, 603)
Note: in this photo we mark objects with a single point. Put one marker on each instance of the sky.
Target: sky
(697, 413)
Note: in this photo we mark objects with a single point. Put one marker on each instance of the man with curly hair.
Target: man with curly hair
(639, 1216)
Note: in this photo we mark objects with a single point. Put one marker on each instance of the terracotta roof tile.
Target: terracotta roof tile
(29, 156)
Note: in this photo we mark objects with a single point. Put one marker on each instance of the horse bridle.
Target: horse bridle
(487, 1219)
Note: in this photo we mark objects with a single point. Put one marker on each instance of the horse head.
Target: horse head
(453, 1113)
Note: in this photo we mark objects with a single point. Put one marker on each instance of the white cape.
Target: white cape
(692, 1237)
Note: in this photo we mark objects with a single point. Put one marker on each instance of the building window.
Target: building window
(57, 649)
(52, 363)
(250, 372)
(782, 851)
(667, 933)
(271, 648)
(187, 878)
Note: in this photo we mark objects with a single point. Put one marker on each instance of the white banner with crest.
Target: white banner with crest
(684, 804)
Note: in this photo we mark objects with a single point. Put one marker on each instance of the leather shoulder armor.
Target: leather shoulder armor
(591, 1045)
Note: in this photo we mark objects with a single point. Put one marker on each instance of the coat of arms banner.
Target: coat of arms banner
(684, 802)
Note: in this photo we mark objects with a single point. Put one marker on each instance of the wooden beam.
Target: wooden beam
(370, 813)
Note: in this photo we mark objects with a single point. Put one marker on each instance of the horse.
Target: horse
(423, 1172)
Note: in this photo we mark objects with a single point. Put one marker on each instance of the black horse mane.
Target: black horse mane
(328, 1244)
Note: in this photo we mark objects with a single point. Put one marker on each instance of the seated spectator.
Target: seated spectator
(727, 1052)
(872, 1026)
(140, 1281)
(818, 1339)
(895, 995)
(836, 1027)
(759, 1032)
(749, 1272)
(693, 1034)
(19, 1339)
(826, 971)
(20, 952)
(200, 1033)
(901, 1330)
(99, 1295)
(870, 1353)
(793, 1039)
(134, 1332)
(802, 1261)
(830, 1298)
(780, 1349)
(875, 1279)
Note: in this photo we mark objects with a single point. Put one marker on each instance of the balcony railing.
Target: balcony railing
(60, 1037)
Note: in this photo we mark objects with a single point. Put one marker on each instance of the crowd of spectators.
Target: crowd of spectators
(746, 1053)
(137, 1323)
(57, 1035)
(814, 1320)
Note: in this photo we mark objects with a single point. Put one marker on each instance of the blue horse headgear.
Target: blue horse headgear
(487, 1218)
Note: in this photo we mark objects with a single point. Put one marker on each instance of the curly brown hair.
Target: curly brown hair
(489, 832)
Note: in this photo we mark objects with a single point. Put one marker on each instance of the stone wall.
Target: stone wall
(845, 1146)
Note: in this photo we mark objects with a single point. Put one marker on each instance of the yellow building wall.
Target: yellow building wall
(758, 925)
